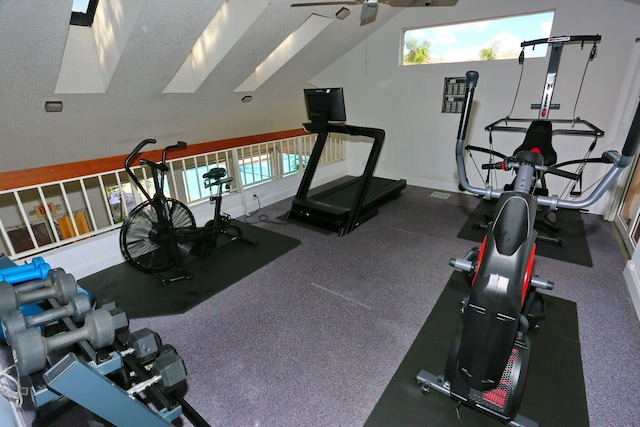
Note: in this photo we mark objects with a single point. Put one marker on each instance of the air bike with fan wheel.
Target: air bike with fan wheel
(160, 233)
(487, 362)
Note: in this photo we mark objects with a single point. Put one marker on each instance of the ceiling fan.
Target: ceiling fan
(370, 7)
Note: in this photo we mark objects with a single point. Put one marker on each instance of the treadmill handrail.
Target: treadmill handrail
(346, 129)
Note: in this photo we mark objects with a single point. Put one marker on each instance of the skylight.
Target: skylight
(225, 29)
(83, 12)
(283, 53)
(92, 51)
(80, 6)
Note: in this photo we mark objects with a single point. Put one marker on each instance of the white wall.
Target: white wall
(406, 101)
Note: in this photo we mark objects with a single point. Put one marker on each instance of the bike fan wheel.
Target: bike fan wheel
(145, 244)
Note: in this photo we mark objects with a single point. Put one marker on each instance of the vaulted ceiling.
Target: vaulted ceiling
(161, 69)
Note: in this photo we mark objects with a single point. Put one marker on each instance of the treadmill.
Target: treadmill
(350, 203)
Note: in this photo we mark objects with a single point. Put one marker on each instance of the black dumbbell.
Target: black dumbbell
(30, 348)
(14, 321)
(143, 345)
(119, 316)
(63, 288)
(168, 372)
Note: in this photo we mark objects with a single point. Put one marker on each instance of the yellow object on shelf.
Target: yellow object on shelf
(66, 226)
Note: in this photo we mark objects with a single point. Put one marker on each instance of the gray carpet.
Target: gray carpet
(314, 337)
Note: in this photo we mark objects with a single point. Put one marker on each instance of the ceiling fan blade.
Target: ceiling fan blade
(419, 3)
(326, 3)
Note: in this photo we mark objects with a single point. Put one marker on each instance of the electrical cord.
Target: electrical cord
(261, 218)
(7, 384)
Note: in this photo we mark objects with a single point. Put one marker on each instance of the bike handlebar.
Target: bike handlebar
(510, 163)
(154, 166)
(472, 79)
(127, 162)
(633, 138)
(179, 144)
(618, 161)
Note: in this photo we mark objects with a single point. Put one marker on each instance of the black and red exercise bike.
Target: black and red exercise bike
(487, 363)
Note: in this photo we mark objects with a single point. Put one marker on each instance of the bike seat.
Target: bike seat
(539, 137)
(215, 173)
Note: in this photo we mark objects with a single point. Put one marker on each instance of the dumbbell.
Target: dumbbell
(26, 266)
(36, 283)
(168, 372)
(12, 297)
(144, 345)
(37, 269)
(49, 280)
(15, 321)
(6, 271)
(118, 315)
(30, 348)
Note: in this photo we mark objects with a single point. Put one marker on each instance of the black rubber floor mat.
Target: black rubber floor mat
(144, 295)
(554, 394)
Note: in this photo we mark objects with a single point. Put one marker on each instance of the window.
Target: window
(82, 12)
(292, 163)
(195, 184)
(255, 168)
(477, 41)
(118, 196)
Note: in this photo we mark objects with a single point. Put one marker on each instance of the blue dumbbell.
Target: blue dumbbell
(37, 269)
(26, 266)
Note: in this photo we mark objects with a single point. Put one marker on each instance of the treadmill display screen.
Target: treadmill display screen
(325, 105)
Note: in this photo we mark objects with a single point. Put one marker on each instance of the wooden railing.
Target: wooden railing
(44, 208)
(34, 176)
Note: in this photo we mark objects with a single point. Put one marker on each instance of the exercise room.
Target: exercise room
(319, 213)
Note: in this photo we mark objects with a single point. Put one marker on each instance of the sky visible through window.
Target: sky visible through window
(481, 40)
(80, 6)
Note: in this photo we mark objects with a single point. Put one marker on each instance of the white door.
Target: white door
(627, 216)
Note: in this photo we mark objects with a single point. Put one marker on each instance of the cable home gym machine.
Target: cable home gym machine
(347, 205)
(160, 233)
(74, 350)
(540, 132)
(487, 363)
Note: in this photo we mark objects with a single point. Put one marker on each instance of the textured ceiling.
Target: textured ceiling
(33, 35)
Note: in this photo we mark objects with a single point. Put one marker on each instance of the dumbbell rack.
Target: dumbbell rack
(83, 379)
(87, 384)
